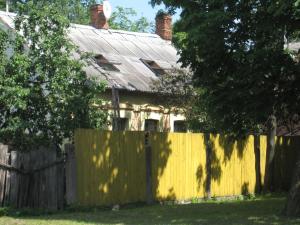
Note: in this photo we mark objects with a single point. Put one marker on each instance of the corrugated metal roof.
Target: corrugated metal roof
(7, 18)
(124, 49)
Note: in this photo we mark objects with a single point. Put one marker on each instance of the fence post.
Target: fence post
(8, 183)
(3, 171)
(208, 151)
(15, 180)
(148, 152)
(258, 185)
(71, 178)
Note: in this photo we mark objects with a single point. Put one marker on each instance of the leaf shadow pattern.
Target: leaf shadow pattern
(112, 168)
(285, 160)
(212, 167)
(223, 153)
(199, 175)
(161, 151)
(229, 143)
(245, 189)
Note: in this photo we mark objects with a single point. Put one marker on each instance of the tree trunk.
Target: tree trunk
(257, 163)
(292, 207)
(269, 170)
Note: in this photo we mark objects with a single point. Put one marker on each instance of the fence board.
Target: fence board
(24, 181)
(7, 175)
(178, 163)
(15, 178)
(60, 174)
(3, 156)
(71, 175)
(31, 179)
(111, 166)
(286, 152)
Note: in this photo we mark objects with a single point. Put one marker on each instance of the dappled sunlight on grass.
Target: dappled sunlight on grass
(265, 210)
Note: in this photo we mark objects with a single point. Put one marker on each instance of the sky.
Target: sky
(142, 7)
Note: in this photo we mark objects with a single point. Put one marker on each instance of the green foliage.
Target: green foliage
(199, 117)
(44, 92)
(2, 5)
(161, 12)
(122, 19)
(175, 83)
(236, 52)
(250, 196)
(77, 11)
(177, 92)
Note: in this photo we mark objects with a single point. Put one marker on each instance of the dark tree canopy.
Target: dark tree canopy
(238, 53)
(236, 50)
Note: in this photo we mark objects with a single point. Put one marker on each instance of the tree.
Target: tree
(122, 19)
(44, 92)
(2, 5)
(177, 93)
(236, 50)
(175, 88)
(77, 11)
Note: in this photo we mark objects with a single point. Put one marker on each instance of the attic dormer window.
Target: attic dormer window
(152, 65)
(105, 64)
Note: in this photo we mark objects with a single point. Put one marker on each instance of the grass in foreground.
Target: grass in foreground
(264, 210)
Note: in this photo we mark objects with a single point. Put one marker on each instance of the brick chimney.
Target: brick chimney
(98, 20)
(164, 26)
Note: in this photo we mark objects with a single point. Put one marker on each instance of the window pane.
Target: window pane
(152, 65)
(151, 125)
(122, 124)
(180, 126)
(105, 64)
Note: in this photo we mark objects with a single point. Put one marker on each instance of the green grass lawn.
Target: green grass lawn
(263, 210)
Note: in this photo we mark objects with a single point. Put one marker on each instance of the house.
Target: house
(128, 62)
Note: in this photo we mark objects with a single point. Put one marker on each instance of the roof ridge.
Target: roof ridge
(142, 34)
(7, 13)
(75, 25)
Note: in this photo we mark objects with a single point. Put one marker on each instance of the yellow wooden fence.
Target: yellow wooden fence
(111, 166)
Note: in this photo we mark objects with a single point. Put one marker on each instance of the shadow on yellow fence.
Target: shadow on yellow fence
(285, 161)
(233, 166)
(111, 166)
(178, 165)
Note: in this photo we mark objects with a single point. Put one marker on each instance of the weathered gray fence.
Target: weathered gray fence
(33, 179)
(71, 174)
